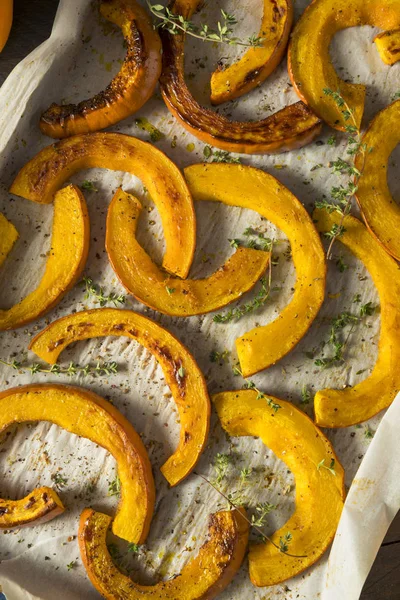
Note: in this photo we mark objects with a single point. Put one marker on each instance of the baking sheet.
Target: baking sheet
(78, 60)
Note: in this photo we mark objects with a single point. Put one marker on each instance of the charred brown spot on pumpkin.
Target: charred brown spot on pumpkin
(3, 511)
(119, 327)
(30, 503)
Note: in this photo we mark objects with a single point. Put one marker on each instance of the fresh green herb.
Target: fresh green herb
(250, 385)
(344, 194)
(367, 309)
(369, 433)
(219, 357)
(170, 290)
(114, 487)
(396, 96)
(331, 141)
(284, 542)
(59, 480)
(262, 511)
(144, 124)
(220, 156)
(305, 395)
(97, 292)
(221, 466)
(262, 297)
(134, 548)
(234, 243)
(331, 468)
(223, 34)
(104, 368)
(89, 186)
(71, 565)
(341, 265)
(316, 167)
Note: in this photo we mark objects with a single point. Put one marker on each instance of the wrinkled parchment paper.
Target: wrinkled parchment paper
(79, 59)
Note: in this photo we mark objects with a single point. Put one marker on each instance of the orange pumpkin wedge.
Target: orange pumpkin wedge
(238, 185)
(128, 91)
(85, 414)
(310, 66)
(8, 237)
(388, 45)
(67, 258)
(292, 127)
(379, 209)
(203, 578)
(142, 278)
(352, 405)
(181, 372)
(44, 174)
(259, 62)
(319, 476)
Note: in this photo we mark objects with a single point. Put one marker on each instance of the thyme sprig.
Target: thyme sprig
(223, 34)
(250, 385)
(220, 156)
(331, 468)
(343, 194)
(338, 323)
(281, 547)
(100, 369)
(97, 293)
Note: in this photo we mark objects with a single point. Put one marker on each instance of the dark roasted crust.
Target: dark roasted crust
(291, 127)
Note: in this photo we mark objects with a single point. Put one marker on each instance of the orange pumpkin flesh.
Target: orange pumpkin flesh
(259, 62)
(181, 372)
(131, 87)
(142, 278)
(44, 174)
(203, 578)
(292, 127)
(388, 45)
(83, 413)
(65, 263)
(8, 237)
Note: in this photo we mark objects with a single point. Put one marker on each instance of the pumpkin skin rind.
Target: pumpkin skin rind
(85, 414)
(310, 66)
(142, 278)
(259, 62)
(388, 46)
(188, 389)
(128, 91)
(247, 187)
(379, 210)
(352, 405)
(67, 258)
(8, 237)
(44, 174)
(292, 127)
(295, 440)
(203, 578)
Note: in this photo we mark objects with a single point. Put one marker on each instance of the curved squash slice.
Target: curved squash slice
(8, 237)
(40, 506)
(203, 578)
(131, 87)
(293, 127)
(388, 45)
(257, 63)
(67, 258)
(85, 414)
(352, 405)
(41, 177)
(380, 211)
(310, 66)
(237, 185)
(294, 438)
(171, 296)
(181, 372)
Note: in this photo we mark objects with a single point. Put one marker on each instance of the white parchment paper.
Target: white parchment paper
(79, 59)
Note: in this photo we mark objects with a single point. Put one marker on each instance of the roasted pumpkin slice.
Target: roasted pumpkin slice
(319, 476)
(131, 87)
(352, 405)
(259, 62)
(85, 414)
(8, 237)
(293, 127)
(41, 177)
(181, 372)
(380, 211)
(237, 185)
(203, 578)
(310, 66)
(388, 45)
(67, 258)
(142, 278)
